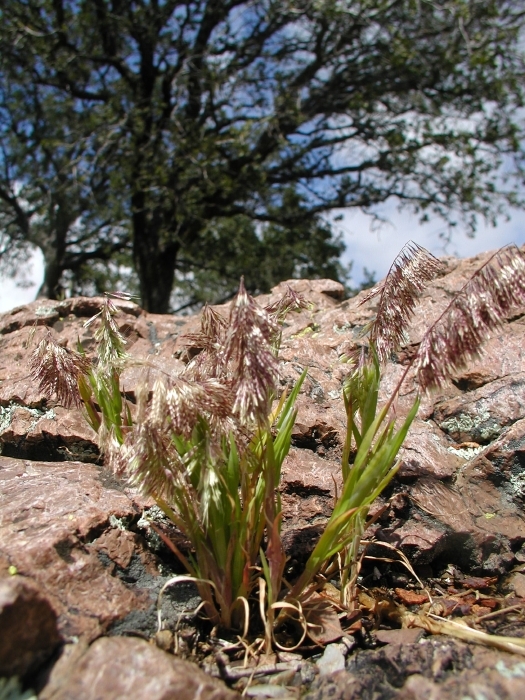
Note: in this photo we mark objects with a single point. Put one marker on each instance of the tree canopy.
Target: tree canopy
(203, 138)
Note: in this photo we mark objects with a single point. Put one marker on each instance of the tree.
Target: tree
(48, 198)
(265, 254)
(203, 115)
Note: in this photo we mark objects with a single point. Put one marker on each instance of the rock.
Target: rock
(480, 415)
(517, 583)
(399, 636)
(29, 627)
(322, 293)
(422, 542)
(122, 667)
(269, 691)
(47, 434)
(433, 669)
(426, 453)
(51, 518)
(332, 660)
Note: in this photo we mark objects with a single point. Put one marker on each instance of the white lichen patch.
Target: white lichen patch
(466, 452)
(155, 515)
(40, 415)
(516, 671)
(480, 425)
(7, 414)
(118, 523)
(45, 311)
(517, 481)
(342, 329)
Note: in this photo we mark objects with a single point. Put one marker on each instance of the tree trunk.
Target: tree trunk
(154, 260)
(51, 287)
(54, 247)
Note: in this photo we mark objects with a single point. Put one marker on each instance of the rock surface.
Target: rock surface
(29, 627)
(119, 667)
(74, 534)
(434, 669)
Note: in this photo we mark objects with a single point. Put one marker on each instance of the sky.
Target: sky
(366, 246)
(376, 249)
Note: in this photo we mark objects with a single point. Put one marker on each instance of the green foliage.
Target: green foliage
(377, 443)
(265, 255)
(169, 133)
(205, 445)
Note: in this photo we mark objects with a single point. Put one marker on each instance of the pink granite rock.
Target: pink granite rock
(28, 627)
(51, 518)
(114, 668)
(482, 403)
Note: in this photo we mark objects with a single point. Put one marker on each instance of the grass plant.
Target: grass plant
(208, 445)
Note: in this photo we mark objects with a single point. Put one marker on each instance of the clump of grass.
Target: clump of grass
(373, 439)
(208, 445)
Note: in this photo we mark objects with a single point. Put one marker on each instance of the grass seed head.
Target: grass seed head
(57, 370)
(410, 272)
(249, 358)
(493, 292)
(109, 339)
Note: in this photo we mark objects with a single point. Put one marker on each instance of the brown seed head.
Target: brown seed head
(57, 370)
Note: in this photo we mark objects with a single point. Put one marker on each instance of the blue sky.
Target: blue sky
(367, 246)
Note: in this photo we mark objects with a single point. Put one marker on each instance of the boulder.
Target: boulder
(51, 519)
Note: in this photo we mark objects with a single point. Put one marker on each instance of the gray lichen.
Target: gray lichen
(480, 427)
(155, 515)
(7, 413)
(466, 452)
(119, 523)
(517, 482)
(45, 311)
(10, 689)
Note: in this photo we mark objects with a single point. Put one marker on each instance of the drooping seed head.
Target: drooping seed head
(57, 370)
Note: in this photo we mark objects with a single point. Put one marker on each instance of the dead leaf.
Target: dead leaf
(353, 621)
(411, 597)
(322, 620)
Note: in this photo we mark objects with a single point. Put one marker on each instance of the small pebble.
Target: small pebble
(333, 659)
(269, 691)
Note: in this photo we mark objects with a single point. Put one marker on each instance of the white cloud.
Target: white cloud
(23, 287)
(375, 248)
